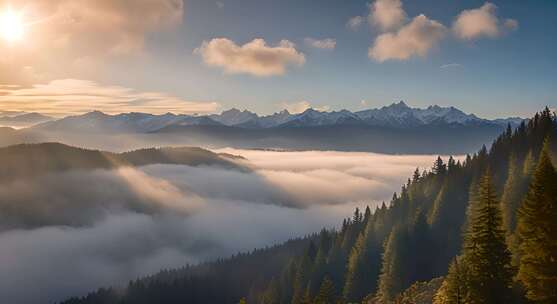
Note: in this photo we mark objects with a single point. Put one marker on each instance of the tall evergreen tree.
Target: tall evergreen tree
(537, 231)
(363, 266)
(485, 253)
(392, 269)
(303, 274)
(454, 287)
(327, 293)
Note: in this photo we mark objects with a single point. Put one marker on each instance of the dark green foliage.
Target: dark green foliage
(391, 279)
(327, 293)
(454, 287)
(419, 292)
(363, 265)
(537, 231)
(30, 160)
(485, 254)
(303, 274)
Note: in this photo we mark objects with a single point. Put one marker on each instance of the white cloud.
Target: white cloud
(220, 4)
(387, 14)
(355, 22)
(511, 24)
(481, 22)
(416, 38)
(74, 96)
(300, 107)
(255, 57)
(328, 44)
(451, 66)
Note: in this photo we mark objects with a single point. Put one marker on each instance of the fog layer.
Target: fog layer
(66, 234)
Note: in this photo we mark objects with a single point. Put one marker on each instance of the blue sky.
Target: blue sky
(508, 73)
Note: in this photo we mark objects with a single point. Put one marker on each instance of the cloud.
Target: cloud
(74, 96)
(355, 23)
(162, 216)
(105, 26)
(451, 66)
(67, 37)
(511, 24)
(255, 57)
(84, 198)
(327, 44)
(416, 38)
(387, 14)
(481, 22)
(301, 106)
(220, 4)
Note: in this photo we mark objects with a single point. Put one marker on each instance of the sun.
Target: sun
(12, 27)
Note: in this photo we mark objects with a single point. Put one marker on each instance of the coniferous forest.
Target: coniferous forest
(481, 230)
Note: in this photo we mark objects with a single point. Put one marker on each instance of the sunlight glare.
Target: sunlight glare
(11, 25)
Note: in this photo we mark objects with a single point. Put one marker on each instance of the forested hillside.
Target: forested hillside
(479, 231)
(31, 160)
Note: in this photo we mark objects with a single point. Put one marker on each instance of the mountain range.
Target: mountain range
(22, 119)
(393, 129)
(398, 115)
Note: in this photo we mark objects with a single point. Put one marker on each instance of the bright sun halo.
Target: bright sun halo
(12, 28)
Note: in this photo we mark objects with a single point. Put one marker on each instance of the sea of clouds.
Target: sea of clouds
(66, 234)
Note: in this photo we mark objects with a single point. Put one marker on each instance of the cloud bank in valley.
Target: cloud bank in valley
(101, 228)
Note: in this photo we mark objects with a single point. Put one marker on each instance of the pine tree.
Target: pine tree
(392, 269)
(454, 287)
(439, 166)
(537, 231)
(511, 196)
(327, 294)
(485, 252)
(272, 293)
(362, 269)
(303, 274)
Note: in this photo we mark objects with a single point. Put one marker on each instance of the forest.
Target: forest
(481, 230)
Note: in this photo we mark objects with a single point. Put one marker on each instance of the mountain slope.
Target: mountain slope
(30, 160)
(24, 119)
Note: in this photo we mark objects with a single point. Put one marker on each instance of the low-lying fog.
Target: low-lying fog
(66, 234)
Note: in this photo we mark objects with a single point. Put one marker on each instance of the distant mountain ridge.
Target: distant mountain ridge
(397, 115)
(31, 160)
(22, 119)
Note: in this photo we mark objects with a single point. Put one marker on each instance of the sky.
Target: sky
(59, 57)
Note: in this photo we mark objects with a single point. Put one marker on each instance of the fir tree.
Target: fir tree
(454, 287)
(439, 166)
(362, 269)
(511, 195)
(392, 269)
(485, 252)
(537, 231)
(327, 294)
(303, 274)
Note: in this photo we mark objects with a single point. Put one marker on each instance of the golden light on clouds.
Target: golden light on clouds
(75, 96)
(12, 28)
